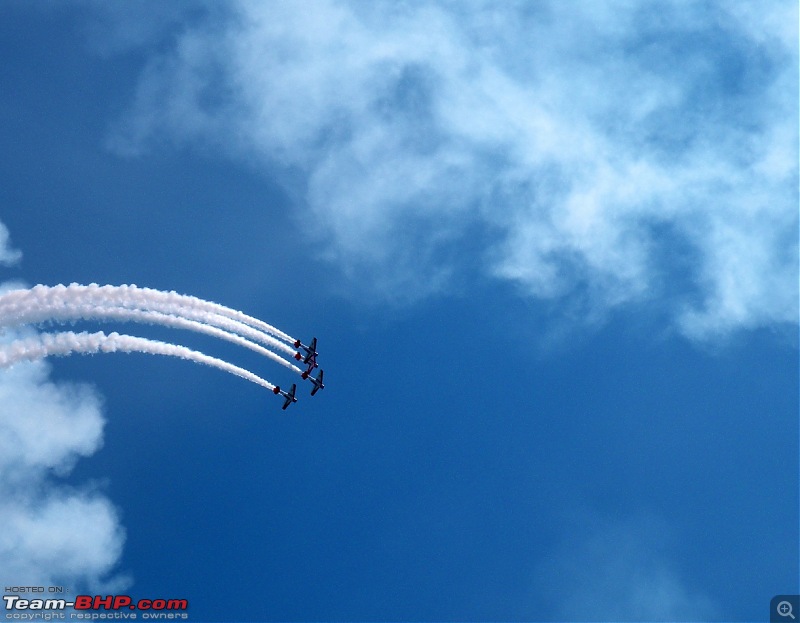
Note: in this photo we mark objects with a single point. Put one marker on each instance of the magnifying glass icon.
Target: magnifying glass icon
(785, 609)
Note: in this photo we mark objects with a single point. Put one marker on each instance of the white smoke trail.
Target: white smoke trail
(134, 296)
(68, 342)
(30, 313)
(26, 303)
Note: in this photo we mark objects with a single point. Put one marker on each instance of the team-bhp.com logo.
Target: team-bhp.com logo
(94, 607)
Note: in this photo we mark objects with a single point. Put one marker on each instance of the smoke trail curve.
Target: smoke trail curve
(134, 296)
(68, 342)
(32, 313)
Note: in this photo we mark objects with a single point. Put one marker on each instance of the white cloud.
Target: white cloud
(53, 534)
(570, 137)
(620, 571)
(8, 255)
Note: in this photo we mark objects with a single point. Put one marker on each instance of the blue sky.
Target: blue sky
(549, 251)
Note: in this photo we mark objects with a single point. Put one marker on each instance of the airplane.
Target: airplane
(318, 384)
(311, 353)
(288, 395)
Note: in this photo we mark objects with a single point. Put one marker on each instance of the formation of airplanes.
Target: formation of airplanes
(309, 358)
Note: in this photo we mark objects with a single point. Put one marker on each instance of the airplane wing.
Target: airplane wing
(318, 385)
